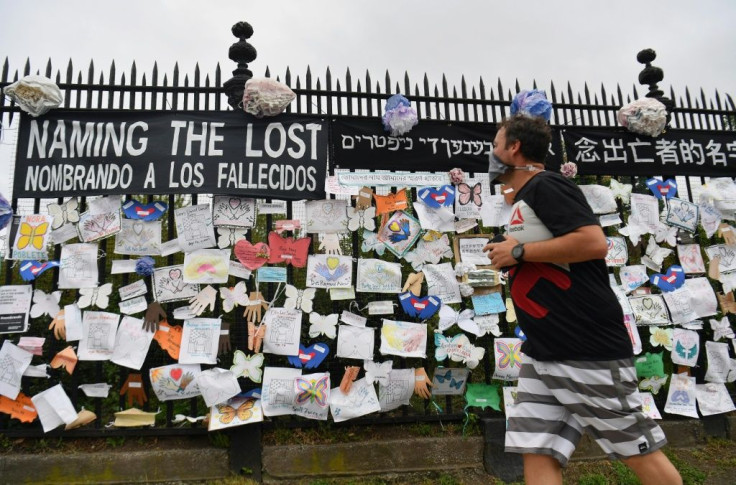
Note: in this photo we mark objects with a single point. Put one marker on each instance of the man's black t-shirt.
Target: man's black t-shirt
(567, 312)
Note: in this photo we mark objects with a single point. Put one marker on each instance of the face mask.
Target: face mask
(496, 167)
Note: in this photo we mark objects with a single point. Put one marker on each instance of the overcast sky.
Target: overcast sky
(566, 40)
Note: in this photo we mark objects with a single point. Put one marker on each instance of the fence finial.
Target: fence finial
(651, 75)
(242, 53)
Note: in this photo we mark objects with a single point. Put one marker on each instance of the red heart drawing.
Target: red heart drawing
(176, 373)
(235, 203)
(175, 274)
(252, 256)
(304, 357)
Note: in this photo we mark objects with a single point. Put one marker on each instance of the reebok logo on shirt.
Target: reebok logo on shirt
(516, 217)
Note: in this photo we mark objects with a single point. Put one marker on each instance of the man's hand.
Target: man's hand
(500, 253)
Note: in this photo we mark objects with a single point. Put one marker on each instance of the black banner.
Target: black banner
(430, 146)
(677, 152)
(161, 152)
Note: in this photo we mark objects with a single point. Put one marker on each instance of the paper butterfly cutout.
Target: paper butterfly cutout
(415, 306)
(464, 319)
(45, 303)
(672, 280)
(252, 256)
(234, 296)
(621, 191)
(378, 371)
(21, 408)
(371, 242)
(323, 325)
(312, 390)
(66, 359)
(32, 235)
(655, 254)
(509, 356)
(457, 348)
(289, 250)
(662, 189)
(29, 270)
(437, 197)
(634, 232)
(145, 212)
(721, 328)
(299, 299)
(229, 236)
(665, 233)
(364, 218)
(391, 202)
(243, 413)
(457, 384)
(309, 357)
(247, 366)
(470, 194)
(66, 212)
(99, 297)
(653, 384)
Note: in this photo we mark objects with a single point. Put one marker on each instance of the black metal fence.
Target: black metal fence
(330, 96)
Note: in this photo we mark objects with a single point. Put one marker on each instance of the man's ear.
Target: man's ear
(515, 147)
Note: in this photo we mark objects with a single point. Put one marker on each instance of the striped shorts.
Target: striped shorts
(557, 401)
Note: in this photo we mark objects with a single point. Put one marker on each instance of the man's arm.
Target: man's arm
(581, 244)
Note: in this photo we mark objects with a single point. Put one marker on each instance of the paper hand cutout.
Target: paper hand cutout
(415, 306)
(310, 357)
(224, 345)
(351, 373)
(727, 303)
(662, 189)
(422, 383)
(414, 283)
(169, 338)
(66, 359)
(330, 244)
(256, 303)
(155, 314)
(203, 299)
(58, 325)
(364, 199)
(437, 197)
(714, 267)
(672, 280)
(255, 336)
(727, 233)
(133, 389)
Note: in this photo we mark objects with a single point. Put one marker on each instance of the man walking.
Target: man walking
(578, 372)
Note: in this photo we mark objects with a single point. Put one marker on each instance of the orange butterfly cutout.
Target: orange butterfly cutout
(391, 202)
(21, 408)
(244, 411)
(66, 359)
(169, 338)
(33, 235)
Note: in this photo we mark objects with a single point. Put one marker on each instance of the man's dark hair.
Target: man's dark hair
(533, 133)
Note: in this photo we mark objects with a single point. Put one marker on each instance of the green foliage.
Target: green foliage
(690, 474)
(219, 439)
(115, 441)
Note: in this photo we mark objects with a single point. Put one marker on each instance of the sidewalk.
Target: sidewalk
(303, 464)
